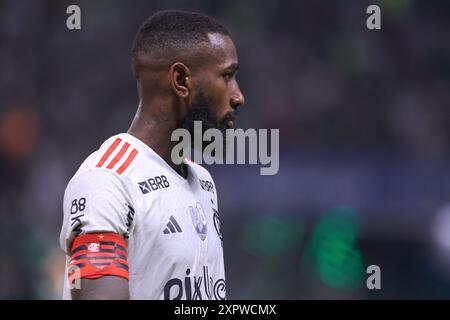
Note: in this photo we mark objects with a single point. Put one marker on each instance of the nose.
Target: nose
(237, 99)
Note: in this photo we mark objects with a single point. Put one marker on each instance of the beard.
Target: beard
(200, 110)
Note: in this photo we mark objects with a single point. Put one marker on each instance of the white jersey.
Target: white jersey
(171, 224)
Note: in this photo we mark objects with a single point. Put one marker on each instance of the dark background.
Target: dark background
(364, 119)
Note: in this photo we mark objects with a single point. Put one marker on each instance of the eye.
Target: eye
(228, 76)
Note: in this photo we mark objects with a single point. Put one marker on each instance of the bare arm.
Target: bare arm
(104, 288)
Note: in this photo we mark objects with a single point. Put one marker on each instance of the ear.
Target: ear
(179, 78)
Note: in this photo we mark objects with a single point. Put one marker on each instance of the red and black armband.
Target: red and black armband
(95, 255)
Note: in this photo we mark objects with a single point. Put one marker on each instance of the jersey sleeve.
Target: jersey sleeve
(96, 201)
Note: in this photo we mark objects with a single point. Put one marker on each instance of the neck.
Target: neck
(155, 129)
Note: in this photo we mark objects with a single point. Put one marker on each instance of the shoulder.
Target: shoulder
(122, 160)
(118, 155)
(124, 156)
(110, 166)
(197, 169)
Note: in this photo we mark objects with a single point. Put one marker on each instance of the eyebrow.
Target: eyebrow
(233, 67)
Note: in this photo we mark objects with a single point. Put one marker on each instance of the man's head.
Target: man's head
(189, 62)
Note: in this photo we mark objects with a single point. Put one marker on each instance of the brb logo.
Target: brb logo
(153, 184)
(195, 288)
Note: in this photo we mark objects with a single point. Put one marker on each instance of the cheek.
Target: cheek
(219, 99)
(222, 107)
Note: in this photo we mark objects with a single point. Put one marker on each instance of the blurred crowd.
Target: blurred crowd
(364, 119)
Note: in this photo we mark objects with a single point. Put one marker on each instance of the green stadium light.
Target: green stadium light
(333, 249)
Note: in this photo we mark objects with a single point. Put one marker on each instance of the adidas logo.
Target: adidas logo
(172, 226)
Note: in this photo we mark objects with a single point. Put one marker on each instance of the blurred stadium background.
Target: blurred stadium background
(364, 119)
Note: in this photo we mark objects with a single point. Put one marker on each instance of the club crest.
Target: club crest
(198, 220)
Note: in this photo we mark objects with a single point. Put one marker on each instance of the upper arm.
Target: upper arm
(98, 215)
(96, 201)
(105, 288)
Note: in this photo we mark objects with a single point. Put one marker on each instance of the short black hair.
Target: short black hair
(172, 31)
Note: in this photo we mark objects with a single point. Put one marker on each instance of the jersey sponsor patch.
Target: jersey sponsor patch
(117, 159)
(217, 225)
(153, 184)
(195, 287)
(96, 255)
(130, 218)
(206, 185)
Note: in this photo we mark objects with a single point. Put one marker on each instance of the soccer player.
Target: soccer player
(136, 225)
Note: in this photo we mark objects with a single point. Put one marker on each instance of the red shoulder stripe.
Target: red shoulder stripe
(109, 151)
(128, 161)
(119, 155)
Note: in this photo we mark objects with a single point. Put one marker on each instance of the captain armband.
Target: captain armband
(95, 255)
